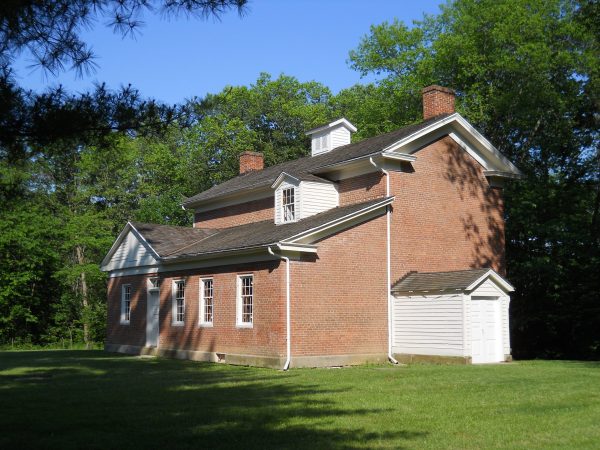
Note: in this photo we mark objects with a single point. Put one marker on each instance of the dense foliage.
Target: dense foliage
(74, 169)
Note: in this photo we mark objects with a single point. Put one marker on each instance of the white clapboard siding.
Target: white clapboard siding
(317, 197)
(428, 325)
(131, 253)
(339, 136)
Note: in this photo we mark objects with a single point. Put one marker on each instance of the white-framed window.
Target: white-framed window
(245, 300)
(321, 143)
(288, 204)
(206, 301)
(125, 304)
(178, 302)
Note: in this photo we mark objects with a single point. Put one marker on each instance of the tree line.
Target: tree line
(75, 168)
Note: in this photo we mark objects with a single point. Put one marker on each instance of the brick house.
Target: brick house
(391, 248)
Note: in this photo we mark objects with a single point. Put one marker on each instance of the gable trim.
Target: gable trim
(128, 228)
(282, 177)
(495, 277)
(457, 120)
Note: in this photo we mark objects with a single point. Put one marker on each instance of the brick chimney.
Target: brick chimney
(250, 161)
(437, 100)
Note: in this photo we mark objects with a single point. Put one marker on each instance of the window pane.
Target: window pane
(246, 299)
(288, 205)
(179, 301)
(207, 299)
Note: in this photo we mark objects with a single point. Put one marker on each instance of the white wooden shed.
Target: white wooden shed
(461, 314)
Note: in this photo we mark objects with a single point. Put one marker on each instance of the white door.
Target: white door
(486, 331)
(152, 318)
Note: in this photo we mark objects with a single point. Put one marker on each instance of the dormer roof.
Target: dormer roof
(343, 122)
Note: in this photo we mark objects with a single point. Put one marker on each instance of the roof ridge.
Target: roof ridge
(309, 164)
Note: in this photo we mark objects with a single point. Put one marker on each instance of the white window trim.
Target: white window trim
(202, 305)
(294, 203)
(174, 321)
(239, 323)
(124, 320)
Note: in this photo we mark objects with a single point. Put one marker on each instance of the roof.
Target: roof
(299, 168)
(175, 242)
(459, 280)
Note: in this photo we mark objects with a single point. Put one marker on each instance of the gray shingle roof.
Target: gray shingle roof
(174, 242)
(438, 281)
(309, 164)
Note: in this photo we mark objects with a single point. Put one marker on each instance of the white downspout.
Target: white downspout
(286, 366)
(389, 259)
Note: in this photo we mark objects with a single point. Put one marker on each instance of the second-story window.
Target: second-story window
(288, 205)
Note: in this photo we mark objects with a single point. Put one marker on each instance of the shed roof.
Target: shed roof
(459, 280)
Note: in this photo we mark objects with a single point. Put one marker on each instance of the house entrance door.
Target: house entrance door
(152, 315)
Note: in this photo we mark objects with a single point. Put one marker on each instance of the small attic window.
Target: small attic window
(322, 143)
(288, 204)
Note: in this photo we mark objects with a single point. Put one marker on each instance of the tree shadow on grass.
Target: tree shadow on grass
(83, 399)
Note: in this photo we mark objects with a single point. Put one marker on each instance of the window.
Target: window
(125, 303)
(288, 205)
(321, 143)
(245, 299)
(206, 301)
(178, 302)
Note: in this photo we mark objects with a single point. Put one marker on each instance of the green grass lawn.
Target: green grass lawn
(90, 399)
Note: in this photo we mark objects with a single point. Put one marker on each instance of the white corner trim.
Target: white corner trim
(505, 285)
(333, 223)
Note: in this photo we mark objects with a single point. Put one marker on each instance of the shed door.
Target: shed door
(152, 318)
(486, 330)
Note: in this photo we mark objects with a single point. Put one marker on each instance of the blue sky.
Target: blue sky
(177, 59)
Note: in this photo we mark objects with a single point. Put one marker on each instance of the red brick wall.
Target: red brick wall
(361, 188)
(445, 216)
(266, 338)
(230, 216)
(135, 332)
(339, 301)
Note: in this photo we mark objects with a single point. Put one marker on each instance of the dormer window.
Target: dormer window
(321, 143)
(329, 136)
(288, 204)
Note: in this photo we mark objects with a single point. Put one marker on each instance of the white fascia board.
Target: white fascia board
(127, 229)
(456, 120)
(505, 285)
(282, 177)
(343, 121)
(334, 223)
(302, 248)
(399, 156)
(500, 174)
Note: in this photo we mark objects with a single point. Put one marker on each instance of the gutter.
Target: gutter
(388, 251)
(286, 366)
